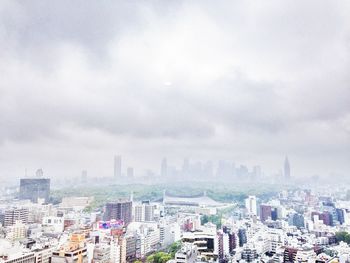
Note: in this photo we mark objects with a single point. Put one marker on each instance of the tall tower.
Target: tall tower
(286, 168)
(164, 168)
(117, 166)
(250, 205)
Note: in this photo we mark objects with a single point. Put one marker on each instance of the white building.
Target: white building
(16, 231)
(187, 254)
(54, 222)
(250, 204)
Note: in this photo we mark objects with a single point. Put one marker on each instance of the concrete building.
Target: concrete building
(74, 251)
(119, 210)
(117, 166)
(14, 214)
(187, 254)
(16, 231)
(102, 253)
(206, 242)
(144, 212)
(34, 189)
(19, 258)
(54, 222)
(265, 212)
(250, 205)
(286, 168)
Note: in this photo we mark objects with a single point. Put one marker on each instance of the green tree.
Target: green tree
(150, 258)
(343, 236)
(173, 248)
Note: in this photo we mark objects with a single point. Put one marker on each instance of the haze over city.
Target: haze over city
(174, 131)
(247, 82)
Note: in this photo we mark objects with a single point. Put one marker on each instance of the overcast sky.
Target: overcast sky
(248, 81)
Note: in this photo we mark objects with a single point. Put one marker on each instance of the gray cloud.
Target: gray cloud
(232, 79)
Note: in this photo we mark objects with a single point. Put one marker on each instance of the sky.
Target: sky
(247, 81)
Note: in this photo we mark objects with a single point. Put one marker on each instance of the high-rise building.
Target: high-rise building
(130, 172)
(164, 168)
(117, 166)
(119, 210)
(250, 205)
(185, 167)
(265, 212)
(296, 219)
(242, 236)
(257, 171)
(16, 214)
(34, 189)
(144, 212)
(286, 168)
(84, 176)
(16, 231)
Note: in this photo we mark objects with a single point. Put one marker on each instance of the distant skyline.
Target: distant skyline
(243, 81)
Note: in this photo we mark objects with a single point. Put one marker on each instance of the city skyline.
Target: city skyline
(231, 80)
(174, 131)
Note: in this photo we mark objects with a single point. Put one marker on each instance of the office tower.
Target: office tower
(117, 166)
(185, 167)
(220, 237)
(242, 236)
(286, 168)
(149, 212)
(232, 241)
(242, 172)
(138, 213)
(144, 212)
(257, 171)
(224, 169)
(16, 231)
(34, 189)
(250, 205)
(16, 214)
(84, 176)
(208, 170)
(341, 215)
(265, 212)
(296, 219)
(274, 213)
(164, 168)
(119, 210)
(130, 172)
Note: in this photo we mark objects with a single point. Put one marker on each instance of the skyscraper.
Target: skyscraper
(130, 172)
(250, 204)
(265, 212)
(164, 168)
(14, 214)
(286, 168)
(119, 211)
(34, 188)
(117, 166)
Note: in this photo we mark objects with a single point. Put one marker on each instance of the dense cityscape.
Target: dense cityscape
(174, 131)
(295, 224)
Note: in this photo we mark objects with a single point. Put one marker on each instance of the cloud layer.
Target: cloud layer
(234, 80)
